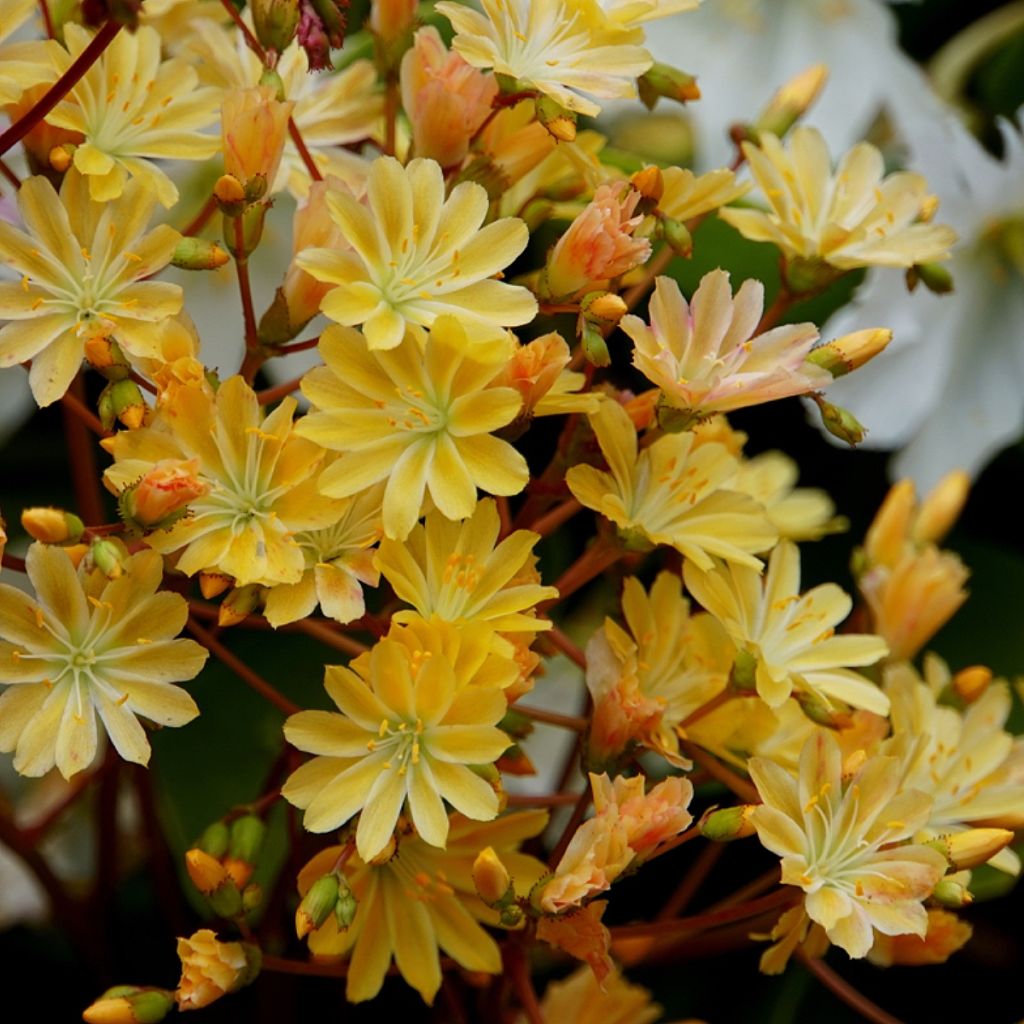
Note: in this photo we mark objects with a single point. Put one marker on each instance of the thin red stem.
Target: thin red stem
(82, 456)
(558, 639)
(574, 822)
(573, 722)
(268, 395)
(202, 218)
(44, 10)
(76, 406)
(551, 521)
(6, 171)
(720, 772)
(838, 986)
(294, 346)
(85, 60)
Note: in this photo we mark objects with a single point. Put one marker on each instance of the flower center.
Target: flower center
(402, 742)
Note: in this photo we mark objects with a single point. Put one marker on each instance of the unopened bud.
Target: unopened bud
(212, 584)
(52, 525)
(214, 840)
(941, 508)
(198, 254)
(126, 403)
(491, 878)
(649, 183)
(595, 348)
(823, 712)
(974, 847)
(130, 1004)
(252, 897)
(243, 231)
(317, 905)
(934, 276)
(663, 80)
(242, 601)
(953, 892)
(559, 122)
(851, 351)
(61, 157)
(744, 672)
(840, 422)
(247, 835)
(970, 683)
(728, 823)
(162, 496)
(275, 22)
(345, 907)
(230, 195)
(677, 236)
(672, 419)
(207, 873)
(105, 355)
(110, 556)
(603, 308)
(791, 102)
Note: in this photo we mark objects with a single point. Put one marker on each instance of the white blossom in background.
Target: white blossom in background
(949, 391)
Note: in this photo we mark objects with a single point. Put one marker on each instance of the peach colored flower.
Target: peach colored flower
(166, 489)
(599, 244)
(254, 125)
(445, 98)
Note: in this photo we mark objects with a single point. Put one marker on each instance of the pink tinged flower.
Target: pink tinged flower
(599, 244)
(705, 355)
(254, 125)
(446, 99)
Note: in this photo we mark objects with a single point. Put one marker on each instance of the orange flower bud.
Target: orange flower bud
(491, 877)
(162, 494)
(391, 19)
(210, 968)
(253, 128)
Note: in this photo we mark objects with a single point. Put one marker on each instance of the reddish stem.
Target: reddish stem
(743, 789)
(82, 456)
(295, 346)
(838, 986)
(551, 521)
(558, 639)
(202, 218)
(44, 10)
(74, 405)
(85, 60)
(573, 722)
(268, 395)
(6, 171)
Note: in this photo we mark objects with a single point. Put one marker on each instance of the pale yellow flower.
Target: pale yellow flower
(83, 266)
(261, 477)
(705, 356)
(27, 62)
(844, 841)
(417, 255)
(133, 109)
(85, 648)
(562, 48)
(419, 415)
(687, 195)
(405, 737)
(671, 492)
(421, 902)
(791, 637)
(854, 217)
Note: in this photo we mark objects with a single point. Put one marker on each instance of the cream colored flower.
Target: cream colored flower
(88, 647)
(844, 841)
(416, 255)
(27, 62)
(791, 637)
(671, 492)
(582, 999)
(705, 356)
(854, 217)
(562, 48)
(211, 968)
(687, 195)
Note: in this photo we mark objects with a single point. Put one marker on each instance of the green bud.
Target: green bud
(198, 254)
(664, 81)
(728, 823)
(821, 712)
(226, 899)
(345, 908)
(252, 897)
(510, 916)
(214, 840)
(677, 236)
(595, 348)
(110, 556)
(242, 601)
(127, 403)
(803, 276)
(317, 905)
(673, 420)
(952, 892)
(839, 422)
(275, 22)
(744, 672)
(559, 122)
(934, 276)
(247, 834)
(130, 1004)
(242, 233)
(105, 409)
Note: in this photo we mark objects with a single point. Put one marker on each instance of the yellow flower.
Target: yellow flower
(417, 255)
(675, 660)
(791, 637)
(419, 415)
(581, 999)
(405, 736)
(338, 559)
(262, 487)
(28, 62)
(454, 572)
(671, 492)
(855, 217)
(945, 935)
(632, 13)
(963, 760)
(83, 266)
(88, 647)
(211, 968)
(844, 841)
(687, 195)
(254, 126)
(331, 110)
(561, 48)
(420, 902)
(798, 513)
(134, 109)
(705, 356)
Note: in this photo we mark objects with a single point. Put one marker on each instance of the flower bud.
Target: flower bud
(60, 157)
(840, 422)
(214, 840)
(247, 835)
(973, 847)
(970, 683)
(242, 601)
(533, 369)
(275, 22)
(728, 823)
(390, 20)
(492, 879)
(52, 525)
(649, 182)
(677, 236)
(559, 122)
(252, 897)
(130, 1004)
(822, 711)
(603, 308)
(125, 404)
(952, 891)
(254, 124)
(317, 905)
(744, 672)
(230, 195)
(110, 556)
(198, 254)
(595, 348)
(941, 508)
(161, 497)
(850, 352)
(210, 968)
(207, 873)
(345, 907)
(211, 584)
(934, 276)
(244, 229)
(663, 80)
(105, 355)
(791, 102)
